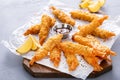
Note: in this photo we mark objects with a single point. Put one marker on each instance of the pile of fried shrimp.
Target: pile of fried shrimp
(84, 42)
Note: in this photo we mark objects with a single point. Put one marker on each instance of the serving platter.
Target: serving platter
(38, 70)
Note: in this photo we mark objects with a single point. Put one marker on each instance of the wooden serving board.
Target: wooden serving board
(38, 70)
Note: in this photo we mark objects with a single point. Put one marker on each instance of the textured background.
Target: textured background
(15, 13)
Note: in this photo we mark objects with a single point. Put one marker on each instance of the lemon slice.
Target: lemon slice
(85, 4)
(82, 0)
(91, 2)
(26, 46)
(94, 7)
(35, 43)
(102, 2)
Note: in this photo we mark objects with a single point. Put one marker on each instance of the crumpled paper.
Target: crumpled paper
(84, 69)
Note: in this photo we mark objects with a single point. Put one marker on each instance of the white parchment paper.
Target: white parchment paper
(84, 69)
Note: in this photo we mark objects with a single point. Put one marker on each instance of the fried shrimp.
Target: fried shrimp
(53, 22)
(62, 16)
(42, 28)
(48, 46)
(72, 61)
(82, 40)
(46, 23)
(82, 50)
(83, 15)
(92, 60)
(33, 30)
(39, 54)
(55, 56)
(104, 34)
(79, 49)
(89, 28)
(94, 43)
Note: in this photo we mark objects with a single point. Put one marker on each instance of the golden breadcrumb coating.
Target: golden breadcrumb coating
(84, 51)
(83, 15)
(72, 60)
(33, 30)
(104, 34)
(46, 23)
(62, 16)
(55, 56)
(94, 43)
(89, 28)
(48, 46)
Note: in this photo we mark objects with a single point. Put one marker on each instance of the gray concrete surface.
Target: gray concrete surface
(15, 13)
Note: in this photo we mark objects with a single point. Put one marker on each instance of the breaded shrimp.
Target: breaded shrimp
(39, 54)
(33, 30)
(89, 28)
(82, 50)
(53, 22)
(104, 34)
(72, 60)
(92, 60)
(48, 46)
(94, 43)
(83, 15)
(36, 28)
(82, 40)
(62, 16)
(46, 24)
(55, 56)
(71, 47)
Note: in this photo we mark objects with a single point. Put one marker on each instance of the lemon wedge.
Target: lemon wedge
(94, 7)
(85, 4)
(26, 46)
(35, 43)
(82, 0)
(30, 44)
(102, 2)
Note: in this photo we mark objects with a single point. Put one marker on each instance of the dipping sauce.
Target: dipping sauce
(63, 29)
